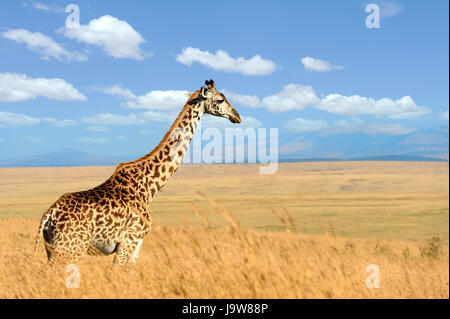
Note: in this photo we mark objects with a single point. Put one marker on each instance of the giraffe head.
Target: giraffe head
(215, 103)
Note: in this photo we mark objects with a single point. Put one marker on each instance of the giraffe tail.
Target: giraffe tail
(44, 220)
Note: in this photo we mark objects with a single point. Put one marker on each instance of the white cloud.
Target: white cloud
(312, 64)
(116, 37)
(142, 118)
(291, 97)
(424, 139)
(43, 44)
(402, 108)
(159, 100)
(92, 140)
(300, 125)
(294, 146)
(346, 123)
(44, 7)
(154, 116)
(385, 129)
(297, 97)
(390, 8)
(371, 129)
(97, 128)
(443, 116)
(248, 121)
(247, 100)
(59, 123)
(20, 87)
(221, 123)
(99, 122)
(117, 90)
(8, 119)
(222, 61)
(114, 119)
(153, 100)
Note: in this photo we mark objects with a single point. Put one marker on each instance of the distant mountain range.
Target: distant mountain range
(68, 157)
(72, 157)
(407, 158)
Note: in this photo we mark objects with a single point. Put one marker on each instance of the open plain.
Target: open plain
(225, 231)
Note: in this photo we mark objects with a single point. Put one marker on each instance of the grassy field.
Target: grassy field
(221, 231)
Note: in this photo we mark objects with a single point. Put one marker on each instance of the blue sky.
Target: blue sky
(332, 86)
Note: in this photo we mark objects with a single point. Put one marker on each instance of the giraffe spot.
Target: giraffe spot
(166, 150)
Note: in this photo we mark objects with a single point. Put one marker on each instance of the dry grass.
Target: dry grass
(331, 220)
(193, 262)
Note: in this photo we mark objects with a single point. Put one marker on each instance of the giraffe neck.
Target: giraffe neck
(161, 163)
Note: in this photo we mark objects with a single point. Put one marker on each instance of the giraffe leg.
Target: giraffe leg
(137, 227)
(125, 250)
(135, 255)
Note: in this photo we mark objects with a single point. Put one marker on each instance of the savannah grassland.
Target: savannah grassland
(224, 231)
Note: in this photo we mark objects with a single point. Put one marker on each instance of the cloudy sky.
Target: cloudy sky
(333, 87)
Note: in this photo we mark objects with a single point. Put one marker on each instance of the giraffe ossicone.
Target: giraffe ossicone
(115, 216)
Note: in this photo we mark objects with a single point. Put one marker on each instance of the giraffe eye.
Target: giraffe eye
(220, 101)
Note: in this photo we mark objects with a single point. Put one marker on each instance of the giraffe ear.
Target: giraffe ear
(203, 92)
(197, 99)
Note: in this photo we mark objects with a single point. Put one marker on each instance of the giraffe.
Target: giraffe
(115, 216)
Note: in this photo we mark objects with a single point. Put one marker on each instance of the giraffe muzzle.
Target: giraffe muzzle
(235, 117)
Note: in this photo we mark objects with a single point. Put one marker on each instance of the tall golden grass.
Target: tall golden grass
(231, 262)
